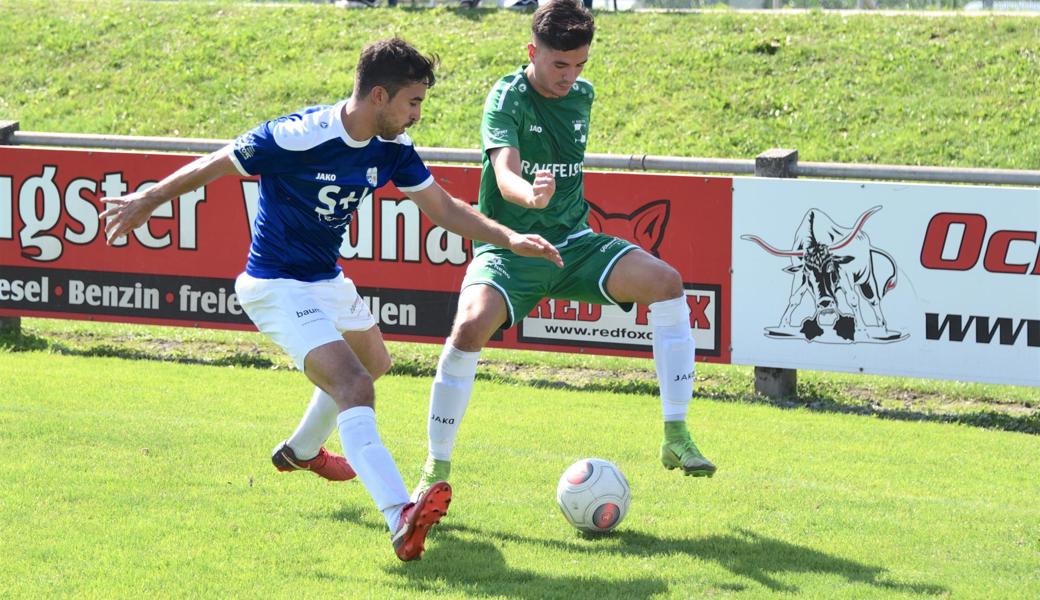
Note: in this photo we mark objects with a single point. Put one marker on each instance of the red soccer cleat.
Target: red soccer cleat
(418, 517)
(326, 464)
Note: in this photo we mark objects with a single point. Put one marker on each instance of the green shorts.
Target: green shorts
(524, 281)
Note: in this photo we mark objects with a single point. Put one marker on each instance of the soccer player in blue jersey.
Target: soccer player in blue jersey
(316, 166)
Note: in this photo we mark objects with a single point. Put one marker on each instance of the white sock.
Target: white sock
(673, 355)
(372, 462)
(315, 427)
(449, 398)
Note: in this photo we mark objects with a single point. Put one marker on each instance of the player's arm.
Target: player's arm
(506, 162)
(459, 217)
(126, 213)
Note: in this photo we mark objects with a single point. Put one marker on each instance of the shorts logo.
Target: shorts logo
(494, 263)
(307, 311)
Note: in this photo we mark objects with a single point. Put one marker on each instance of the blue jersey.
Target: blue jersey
(313, 176)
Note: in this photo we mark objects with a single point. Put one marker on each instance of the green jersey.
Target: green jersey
(551, 134)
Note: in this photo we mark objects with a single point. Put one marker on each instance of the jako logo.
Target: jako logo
(836, 270)
(644, 226)
(307, 311)
(536, 128)
(326, 177)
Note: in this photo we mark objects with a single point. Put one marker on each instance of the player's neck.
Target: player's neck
(360, 126)
(537, 83)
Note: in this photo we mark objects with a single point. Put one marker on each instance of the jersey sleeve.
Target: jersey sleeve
(411, 174)
(499, 128)
(257, 152)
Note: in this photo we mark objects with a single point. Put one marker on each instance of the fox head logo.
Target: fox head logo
(643, 226)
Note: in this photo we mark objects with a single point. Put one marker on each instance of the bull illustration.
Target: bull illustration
(841, 271)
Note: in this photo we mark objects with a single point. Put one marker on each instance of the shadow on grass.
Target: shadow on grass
(819, 399)
(11, 341)
(21, 342)
(743, 553)
(476, 567)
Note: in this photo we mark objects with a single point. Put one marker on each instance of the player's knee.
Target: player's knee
(355, 388)
(381, 366)
(470, 334)
(667, 282)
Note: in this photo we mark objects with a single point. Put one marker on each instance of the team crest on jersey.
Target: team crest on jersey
(372, 176)
(581, 131)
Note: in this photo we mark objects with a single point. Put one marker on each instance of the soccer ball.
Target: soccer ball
(593, 495)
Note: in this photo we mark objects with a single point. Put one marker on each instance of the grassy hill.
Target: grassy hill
(957, 91)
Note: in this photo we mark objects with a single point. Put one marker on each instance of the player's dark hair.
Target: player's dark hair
(563, 25)
(392, 64)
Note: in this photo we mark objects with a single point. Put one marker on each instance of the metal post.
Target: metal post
(772, 382)
(6, 129)
(9, 324)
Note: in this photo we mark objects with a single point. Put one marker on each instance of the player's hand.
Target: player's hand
(124, 214)
(544, 186)
(534, 245)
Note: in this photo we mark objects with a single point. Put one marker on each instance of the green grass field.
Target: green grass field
(129, 478)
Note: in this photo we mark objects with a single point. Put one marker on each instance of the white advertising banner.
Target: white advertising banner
(939, 281)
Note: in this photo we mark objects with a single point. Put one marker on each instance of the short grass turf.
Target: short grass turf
(125, 478)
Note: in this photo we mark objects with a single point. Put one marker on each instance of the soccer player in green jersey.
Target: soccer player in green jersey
(533, 134)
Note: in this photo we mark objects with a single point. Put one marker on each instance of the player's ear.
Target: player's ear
(530, 51)
(379, 95)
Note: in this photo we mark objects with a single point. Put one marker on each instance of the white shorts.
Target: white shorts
(299, 315)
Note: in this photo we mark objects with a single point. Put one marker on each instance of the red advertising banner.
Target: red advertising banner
(179, 268)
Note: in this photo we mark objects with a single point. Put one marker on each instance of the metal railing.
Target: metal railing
(631, 162)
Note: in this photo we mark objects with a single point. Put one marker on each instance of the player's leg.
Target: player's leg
(644, 279)
(499, 288)
(305, 448)
(482, 311)
(292, 314)
(339, 301)
(337, 370)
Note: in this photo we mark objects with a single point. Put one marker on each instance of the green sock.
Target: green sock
(676, 431)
